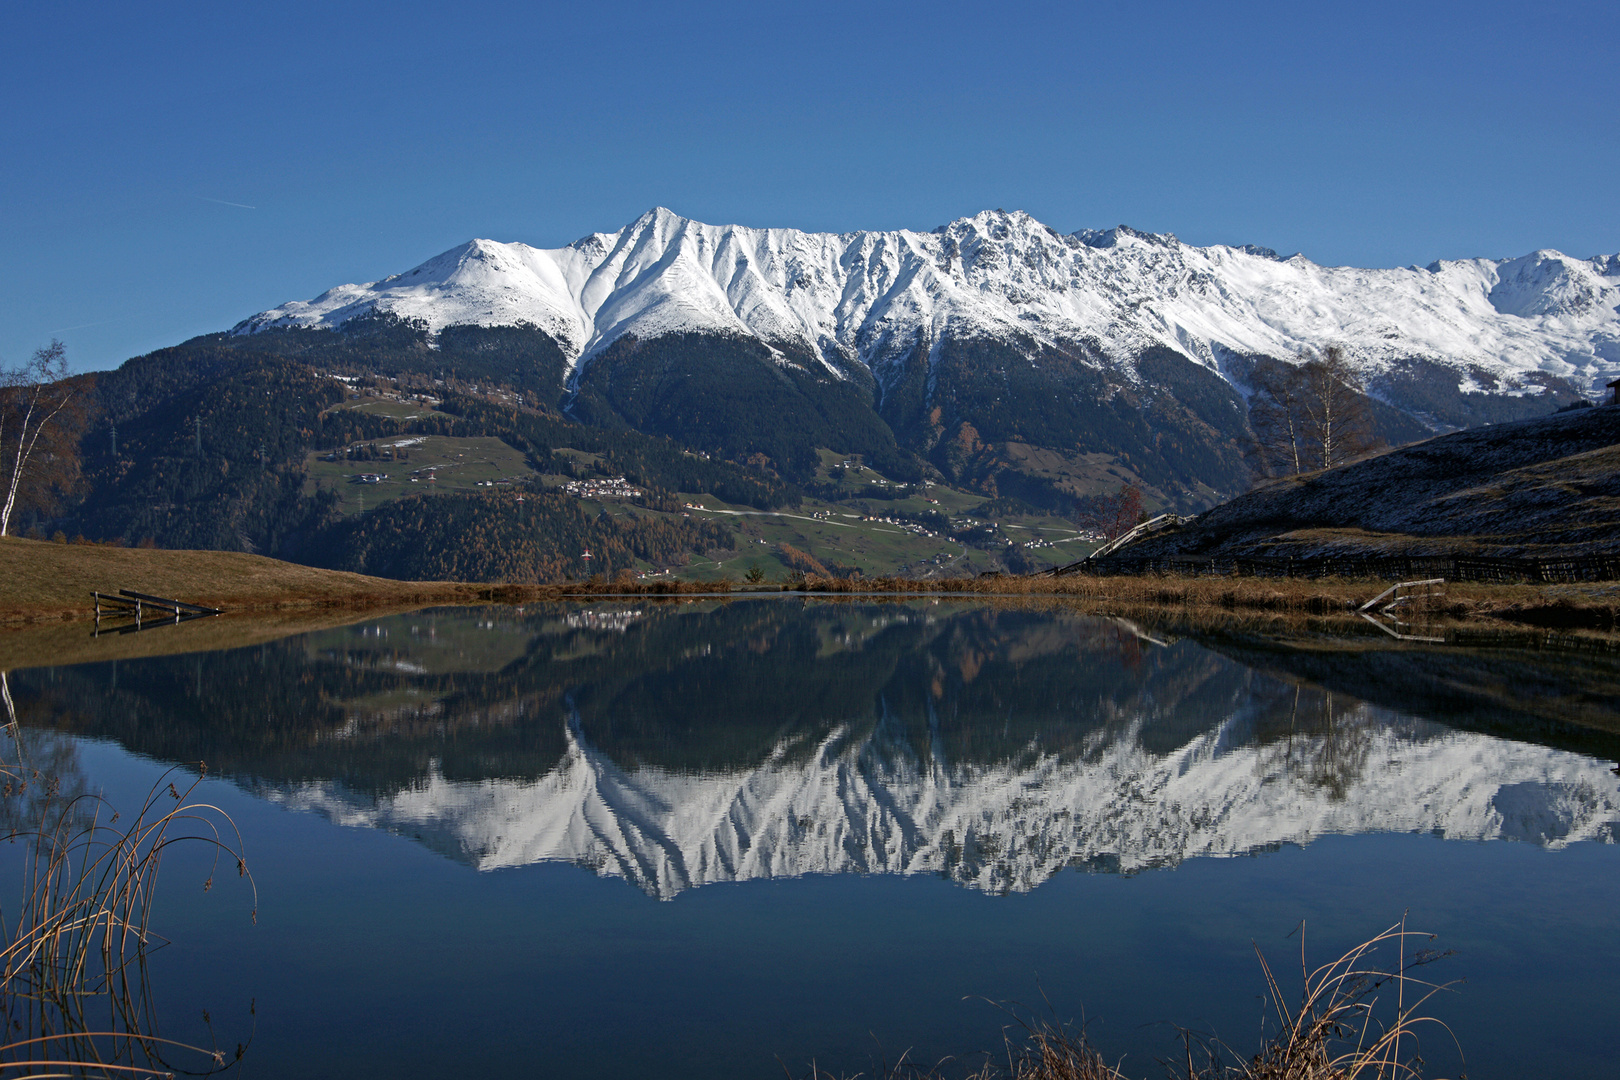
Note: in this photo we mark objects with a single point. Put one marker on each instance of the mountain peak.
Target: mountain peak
(660, 215)
(1107, 238)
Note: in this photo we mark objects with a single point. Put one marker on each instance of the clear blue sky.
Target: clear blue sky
(170, 168)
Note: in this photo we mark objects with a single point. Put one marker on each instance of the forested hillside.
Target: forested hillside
(529, 538)
(732, 397)
(206, 445)
(1042, 425)
(521, 357)
(1542, 488)
(214, 443)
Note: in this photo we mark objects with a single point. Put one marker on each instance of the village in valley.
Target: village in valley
(922, 530)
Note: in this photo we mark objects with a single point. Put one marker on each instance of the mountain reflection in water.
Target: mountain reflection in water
(682, 745)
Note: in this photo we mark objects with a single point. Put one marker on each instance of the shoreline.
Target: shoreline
(51, 584)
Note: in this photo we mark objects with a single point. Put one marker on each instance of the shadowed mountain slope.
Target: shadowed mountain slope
(1549, 486)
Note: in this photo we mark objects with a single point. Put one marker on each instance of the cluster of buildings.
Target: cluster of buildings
(909, 526)
(616, 488)
(368, 385)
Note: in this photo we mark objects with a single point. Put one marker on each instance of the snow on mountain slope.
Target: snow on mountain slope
(480, 283)
(865, 295)
(867, 807)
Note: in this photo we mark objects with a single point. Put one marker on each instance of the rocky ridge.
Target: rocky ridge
(867, 297)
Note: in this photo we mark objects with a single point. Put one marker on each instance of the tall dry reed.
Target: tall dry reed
(1356, 1018)
(74, 990)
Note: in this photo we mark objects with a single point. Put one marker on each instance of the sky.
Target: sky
(169, 169)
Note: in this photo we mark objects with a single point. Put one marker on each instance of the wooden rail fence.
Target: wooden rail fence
(1389, 567)
(147, 610)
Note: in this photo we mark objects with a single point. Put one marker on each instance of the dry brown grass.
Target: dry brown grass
(1204, 599)
(45, 581)
(52, 582)
(1582, 605)
(1344, 1028)
(627, 584)
(74, 992)
(1357, 1018)
(1167, 591)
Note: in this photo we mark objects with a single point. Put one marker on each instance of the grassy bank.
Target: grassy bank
(1592, 606)
(47, 582)
(44, 581)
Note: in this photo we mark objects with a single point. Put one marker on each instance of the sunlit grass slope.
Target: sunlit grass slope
(52, 581)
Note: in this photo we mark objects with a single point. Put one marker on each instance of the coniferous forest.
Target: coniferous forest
(204, 446)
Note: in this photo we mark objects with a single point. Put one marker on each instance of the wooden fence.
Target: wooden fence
(1390, 567)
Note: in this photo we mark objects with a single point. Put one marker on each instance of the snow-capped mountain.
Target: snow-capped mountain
(867, 297)
(870, 806)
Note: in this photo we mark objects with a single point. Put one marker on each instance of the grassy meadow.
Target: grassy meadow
(52, 581)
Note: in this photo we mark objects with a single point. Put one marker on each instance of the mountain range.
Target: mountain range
(864, 297)
(995, 349)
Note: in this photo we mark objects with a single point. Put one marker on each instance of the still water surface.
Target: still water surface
(721, 839)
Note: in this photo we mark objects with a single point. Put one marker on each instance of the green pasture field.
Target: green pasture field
(875, 547)
(430, 464)
(399, 410)
(859, 477)
(841, 537)
(838, 532)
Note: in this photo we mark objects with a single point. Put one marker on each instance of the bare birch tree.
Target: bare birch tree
(1313, 414)
(1334, 404)
(1275, 417)
(42, 413)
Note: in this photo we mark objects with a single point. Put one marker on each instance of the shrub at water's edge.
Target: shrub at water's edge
(1359, 1017)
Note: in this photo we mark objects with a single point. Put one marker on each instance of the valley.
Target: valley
(691, 402)
(859, 522)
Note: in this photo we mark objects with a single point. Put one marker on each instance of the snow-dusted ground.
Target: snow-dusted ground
(870, 807)
(863, 296)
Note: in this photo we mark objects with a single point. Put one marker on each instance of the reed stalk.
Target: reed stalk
(75, 993)
(1356, 1018)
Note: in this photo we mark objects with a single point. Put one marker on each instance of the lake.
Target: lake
(736, 838)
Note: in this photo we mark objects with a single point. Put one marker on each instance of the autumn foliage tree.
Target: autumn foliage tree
(1111, 515)
(42, 415)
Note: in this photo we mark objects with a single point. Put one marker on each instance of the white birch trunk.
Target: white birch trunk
(15, 480)
(25, 449)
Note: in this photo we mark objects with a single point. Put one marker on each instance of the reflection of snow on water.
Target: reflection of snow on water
(871, 806)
